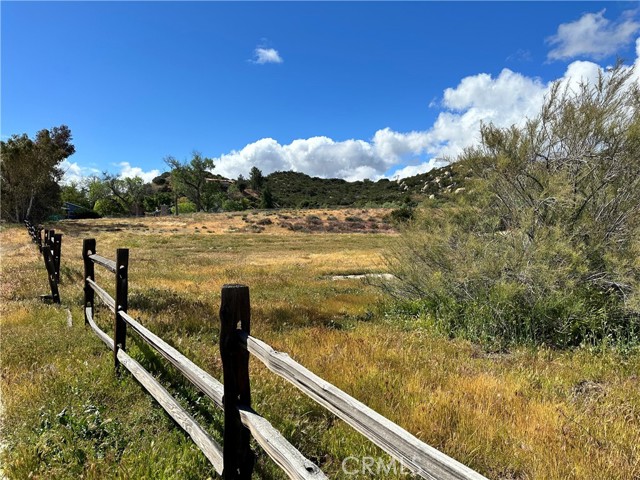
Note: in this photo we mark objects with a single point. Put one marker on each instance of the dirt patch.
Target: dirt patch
(385, 276)
(278, 222)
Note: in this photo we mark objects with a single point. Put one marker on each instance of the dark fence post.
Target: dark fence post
(51, 273)
(57, 250)
(88, 248)
(122, 287)
(237, 455)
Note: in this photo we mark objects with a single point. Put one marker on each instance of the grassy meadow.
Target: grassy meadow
(520, 414)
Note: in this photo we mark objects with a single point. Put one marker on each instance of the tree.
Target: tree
(256, 179)
(574, 168)
(241, 183)
(113, 195)
(266, 199)
(30, 172)
(190, 178)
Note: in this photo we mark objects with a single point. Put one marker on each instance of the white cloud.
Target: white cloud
(315, 156)
(592, 35)
(127, 171)
(266, 55)
(505, 100)
(74, 173)
(411, 170)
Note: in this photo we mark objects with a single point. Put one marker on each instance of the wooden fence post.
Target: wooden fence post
(122, 287)
(237, 455)
(51, 273)
(57, 250)
(88, 248)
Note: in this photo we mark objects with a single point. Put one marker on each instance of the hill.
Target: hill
(295, 189)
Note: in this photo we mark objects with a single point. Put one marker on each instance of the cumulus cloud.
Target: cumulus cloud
(504, 100)
(509, 98)
(593, 36)
(128, 171)
(316, 156)
(266, 55)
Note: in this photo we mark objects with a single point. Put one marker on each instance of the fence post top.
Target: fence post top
(230, 286)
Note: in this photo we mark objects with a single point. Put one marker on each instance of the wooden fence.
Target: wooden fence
(236, 460)
(51, 248)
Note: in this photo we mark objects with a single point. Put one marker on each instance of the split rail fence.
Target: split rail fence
(236, 460)
(50, 247)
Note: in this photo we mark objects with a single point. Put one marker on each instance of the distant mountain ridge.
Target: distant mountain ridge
(295, 189)
(299, 190)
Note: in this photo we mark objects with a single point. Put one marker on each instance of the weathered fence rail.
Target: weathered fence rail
(50, 247)
(413, 454)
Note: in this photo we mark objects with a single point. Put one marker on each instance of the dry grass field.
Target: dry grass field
(523, 414)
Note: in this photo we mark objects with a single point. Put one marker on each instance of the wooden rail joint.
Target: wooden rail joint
(235, 309)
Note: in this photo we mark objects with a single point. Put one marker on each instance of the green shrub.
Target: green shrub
(184, 206)
(543, 247)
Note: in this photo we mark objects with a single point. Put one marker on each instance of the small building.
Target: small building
(71, 210)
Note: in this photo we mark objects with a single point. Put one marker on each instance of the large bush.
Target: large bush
(545, 247)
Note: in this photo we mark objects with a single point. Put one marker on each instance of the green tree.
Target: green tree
(113, 195)
(241, 183)
(256, 179)
(30, 172)
(266, 198)
(190, 178)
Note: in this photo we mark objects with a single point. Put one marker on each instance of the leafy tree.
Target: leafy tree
(190, 178)
(266, 199)
(575, 168)
(256, 179)
(241, 183)
(30, 172)
(113, 195)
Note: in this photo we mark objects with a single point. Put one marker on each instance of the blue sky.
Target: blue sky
(351, 90)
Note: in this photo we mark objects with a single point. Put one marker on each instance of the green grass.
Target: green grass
(525, 413)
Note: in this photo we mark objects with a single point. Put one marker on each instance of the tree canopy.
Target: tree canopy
(30, 172)
(190, 179)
